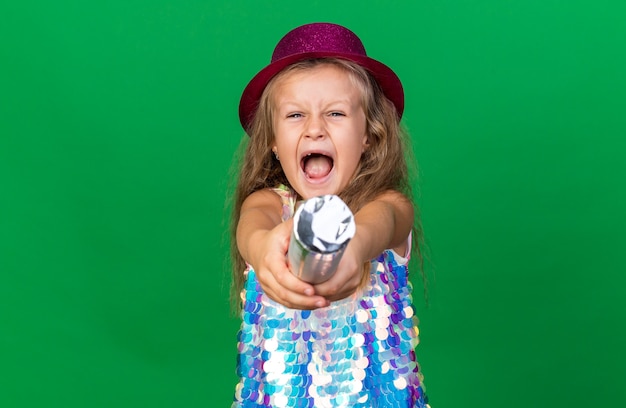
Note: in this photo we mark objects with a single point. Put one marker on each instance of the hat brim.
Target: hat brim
(386, 78)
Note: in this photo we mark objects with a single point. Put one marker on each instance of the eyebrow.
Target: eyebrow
(280, 103)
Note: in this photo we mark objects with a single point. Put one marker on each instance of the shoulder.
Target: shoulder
(265, 198)
(260, 210)
(404, 210)
(395, 198)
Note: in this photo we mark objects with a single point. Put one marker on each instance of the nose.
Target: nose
(315, 127)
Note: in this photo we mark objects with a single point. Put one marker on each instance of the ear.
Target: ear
(275, 151)
(366, 143)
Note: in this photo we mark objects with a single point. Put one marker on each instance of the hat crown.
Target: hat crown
(318, 37)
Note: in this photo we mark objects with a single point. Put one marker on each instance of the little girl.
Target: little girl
(323, 118)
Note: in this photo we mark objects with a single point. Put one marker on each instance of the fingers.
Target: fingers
(277, 280)
(335, 290)
(346, 280)
(290, 291)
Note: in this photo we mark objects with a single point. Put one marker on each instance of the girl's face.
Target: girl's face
(319, 129)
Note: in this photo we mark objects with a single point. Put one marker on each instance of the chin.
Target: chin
(308, 190)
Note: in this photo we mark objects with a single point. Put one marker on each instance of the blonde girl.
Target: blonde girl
(323, 118)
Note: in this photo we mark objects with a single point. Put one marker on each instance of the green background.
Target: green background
(118, 121)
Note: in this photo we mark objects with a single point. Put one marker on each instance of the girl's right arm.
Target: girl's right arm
(263, 240)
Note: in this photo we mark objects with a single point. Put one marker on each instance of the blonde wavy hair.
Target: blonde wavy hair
(385, 164)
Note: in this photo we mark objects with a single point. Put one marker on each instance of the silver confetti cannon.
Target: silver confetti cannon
(322, 228)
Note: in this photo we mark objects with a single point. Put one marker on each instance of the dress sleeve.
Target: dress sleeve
(403, 259)
(288, 198)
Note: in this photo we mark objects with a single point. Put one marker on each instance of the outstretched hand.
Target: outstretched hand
(383, 223)
(273, 272)
(348, 277)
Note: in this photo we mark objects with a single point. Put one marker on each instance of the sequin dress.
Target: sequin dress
(357, 352)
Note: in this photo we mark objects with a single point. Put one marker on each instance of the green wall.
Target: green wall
(118, 121)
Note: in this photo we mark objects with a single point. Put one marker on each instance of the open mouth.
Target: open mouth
(316, 165)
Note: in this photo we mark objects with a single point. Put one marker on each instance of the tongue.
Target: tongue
(317, 166)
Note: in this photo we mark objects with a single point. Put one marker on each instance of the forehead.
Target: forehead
(320, 78)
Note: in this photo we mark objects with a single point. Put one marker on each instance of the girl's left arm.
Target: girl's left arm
(383, 223)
